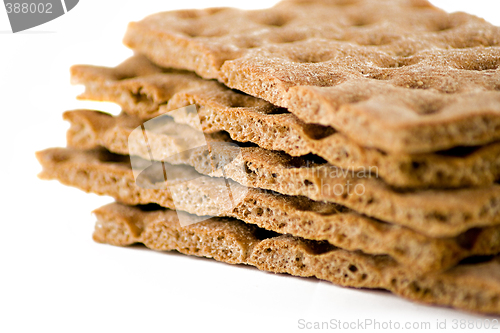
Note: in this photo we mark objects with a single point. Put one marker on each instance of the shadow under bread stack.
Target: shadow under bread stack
(353, 141)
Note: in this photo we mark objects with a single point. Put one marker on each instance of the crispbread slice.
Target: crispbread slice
(146, 91)
(100, 172)
(436, 213)
(473, 287)
(398, 75)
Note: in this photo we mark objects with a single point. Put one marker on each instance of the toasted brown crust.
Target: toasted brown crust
(472, 287)
(146, 91)
(100, 172)
(438, 72)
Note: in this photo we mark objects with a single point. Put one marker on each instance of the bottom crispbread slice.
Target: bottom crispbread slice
(473, 287)
(100, 172)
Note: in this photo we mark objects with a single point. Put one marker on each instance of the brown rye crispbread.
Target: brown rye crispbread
(100, 172)
(399, 75)
(437, 213)
(147, 91)
(468, 286)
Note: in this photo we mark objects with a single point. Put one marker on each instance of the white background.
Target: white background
(54, 278)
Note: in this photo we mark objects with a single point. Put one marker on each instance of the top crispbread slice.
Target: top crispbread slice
(399, 75)
(473, 287)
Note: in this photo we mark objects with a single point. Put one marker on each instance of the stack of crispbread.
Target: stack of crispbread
(366, 133)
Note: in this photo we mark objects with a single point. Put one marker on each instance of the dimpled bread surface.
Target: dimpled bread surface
(399, 75)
